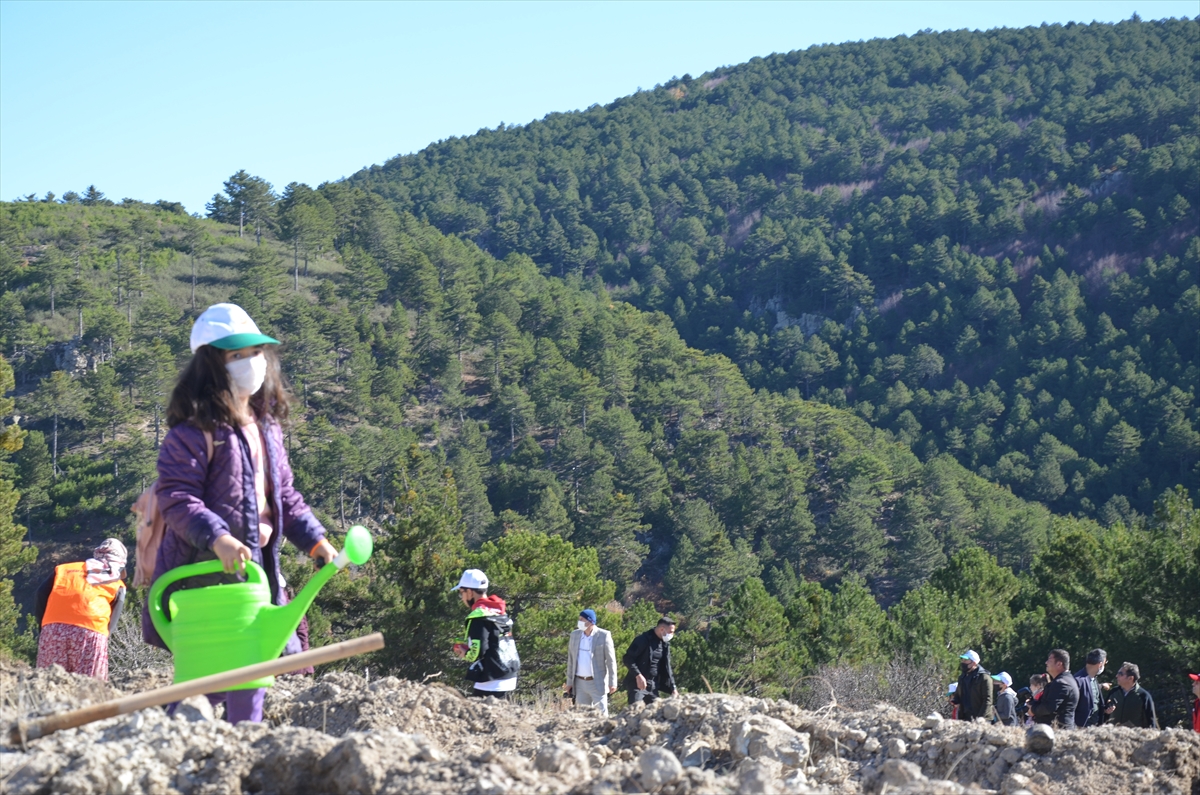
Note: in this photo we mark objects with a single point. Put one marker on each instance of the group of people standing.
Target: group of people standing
(1059, 697)
(488, 647)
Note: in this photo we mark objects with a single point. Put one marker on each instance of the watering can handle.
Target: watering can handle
(159, 617)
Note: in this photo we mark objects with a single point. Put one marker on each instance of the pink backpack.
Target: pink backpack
(150, 527)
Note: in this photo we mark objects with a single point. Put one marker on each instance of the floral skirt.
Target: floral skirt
(79, 650)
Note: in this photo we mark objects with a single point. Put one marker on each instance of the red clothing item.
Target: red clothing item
(78, 649)
(1196, 715)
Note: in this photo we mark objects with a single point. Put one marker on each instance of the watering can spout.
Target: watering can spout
(284, 620)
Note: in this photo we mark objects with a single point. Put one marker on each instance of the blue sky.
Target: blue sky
(166, 100)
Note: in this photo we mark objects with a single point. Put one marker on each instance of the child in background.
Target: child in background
(1037, 683)
(237, 506)
(950, 697)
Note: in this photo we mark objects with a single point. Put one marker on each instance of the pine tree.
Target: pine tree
(34, 473)
(919, 554)
(364, 282)
(853, 631)
(705, 571)
(261, 285)
(614, 526)
(15, 554)
(59, 397)
(750, 649)
(854, 538)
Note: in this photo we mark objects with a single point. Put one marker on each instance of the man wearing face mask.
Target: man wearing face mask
(649, 661)
(974, 693)
(591, 664)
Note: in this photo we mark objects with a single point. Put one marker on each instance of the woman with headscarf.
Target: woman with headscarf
(78, 606)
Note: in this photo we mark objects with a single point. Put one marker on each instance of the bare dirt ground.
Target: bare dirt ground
(340, 733)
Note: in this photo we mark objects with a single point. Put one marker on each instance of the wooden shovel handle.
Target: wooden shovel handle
(23, 732)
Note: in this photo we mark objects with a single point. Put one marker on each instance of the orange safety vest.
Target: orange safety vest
(77, 602)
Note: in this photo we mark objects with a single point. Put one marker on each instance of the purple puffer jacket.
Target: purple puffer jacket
(201, 501)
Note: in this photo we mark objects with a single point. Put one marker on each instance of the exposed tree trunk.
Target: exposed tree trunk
(52, 299)
(296, 266)
(54, 449)
(241, 222)
(342, 501)
(193, 279)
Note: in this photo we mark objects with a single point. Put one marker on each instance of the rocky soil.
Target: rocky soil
(342, 734)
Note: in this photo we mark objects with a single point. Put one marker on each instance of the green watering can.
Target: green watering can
(223, 627)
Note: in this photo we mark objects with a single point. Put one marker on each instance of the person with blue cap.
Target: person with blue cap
(591, 663)
(974, 693)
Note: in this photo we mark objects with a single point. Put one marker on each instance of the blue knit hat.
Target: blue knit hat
(588, 614)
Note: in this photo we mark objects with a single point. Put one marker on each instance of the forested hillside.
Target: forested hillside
(831, 482)
(985, 243)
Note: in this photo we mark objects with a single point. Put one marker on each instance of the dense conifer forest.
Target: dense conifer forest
(868, 350)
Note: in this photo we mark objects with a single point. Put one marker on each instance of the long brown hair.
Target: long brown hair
(203, 395)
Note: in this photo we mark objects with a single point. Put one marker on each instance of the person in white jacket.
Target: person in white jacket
(591, 664)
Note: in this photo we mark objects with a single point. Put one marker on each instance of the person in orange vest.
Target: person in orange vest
(77, 607)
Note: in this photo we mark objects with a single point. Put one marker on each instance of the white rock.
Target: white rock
(658, 766)
(897, 773)
(564, 758)
(756, 777)
(1015, 783)
(697, 755)
(896, 748)
(761, 737)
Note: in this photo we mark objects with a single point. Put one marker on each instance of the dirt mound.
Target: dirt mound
(342, 734)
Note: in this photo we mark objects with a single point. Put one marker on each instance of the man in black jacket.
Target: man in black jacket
(1059, 700)
(649, 661)
(974, 693)
(1131, 705)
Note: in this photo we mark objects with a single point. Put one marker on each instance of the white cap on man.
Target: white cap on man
(971, 655)
(1003, 678)
(474, 579)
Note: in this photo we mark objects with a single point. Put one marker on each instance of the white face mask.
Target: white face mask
(581, 624)
(248, 374)
(668, 636)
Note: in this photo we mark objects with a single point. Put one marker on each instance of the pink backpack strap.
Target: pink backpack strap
(149, 535)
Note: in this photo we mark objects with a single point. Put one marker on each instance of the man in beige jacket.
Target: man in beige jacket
(591, 664)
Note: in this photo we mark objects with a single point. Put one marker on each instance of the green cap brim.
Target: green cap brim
(237, 341)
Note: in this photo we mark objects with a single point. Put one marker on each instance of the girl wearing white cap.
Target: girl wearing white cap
(225, 486)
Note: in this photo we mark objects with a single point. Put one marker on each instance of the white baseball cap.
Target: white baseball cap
(228, 327)
(474, 579)
(971, 655)
(1003, 677)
